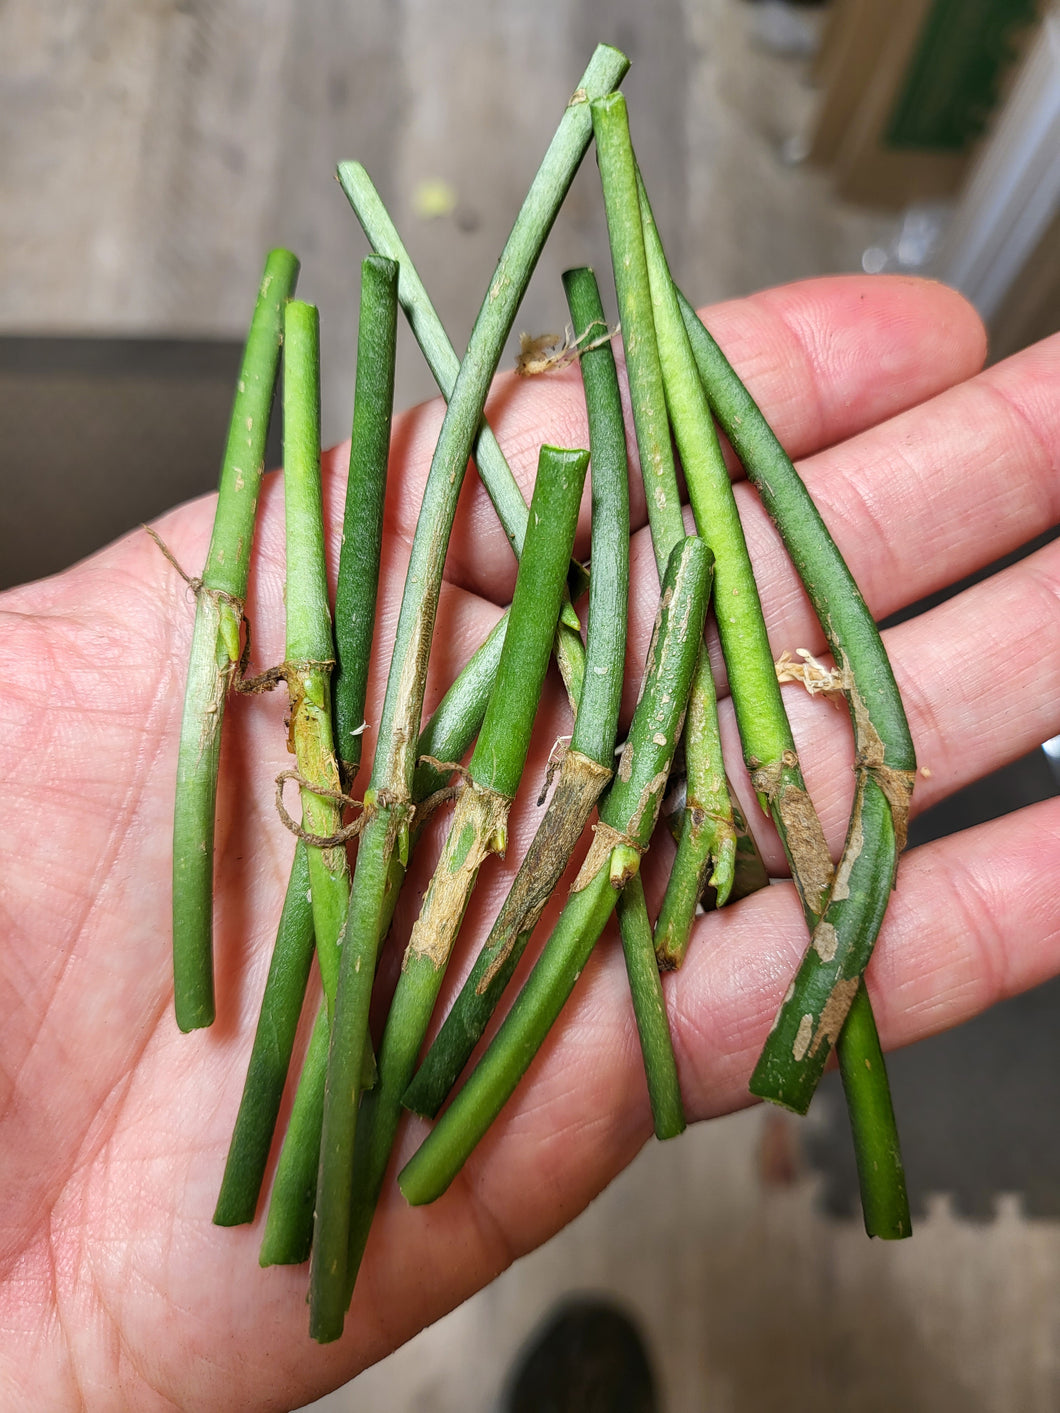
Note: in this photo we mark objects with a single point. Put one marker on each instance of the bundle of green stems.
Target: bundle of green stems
(347, 1105)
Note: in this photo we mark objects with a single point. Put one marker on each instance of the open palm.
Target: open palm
(118, 1292)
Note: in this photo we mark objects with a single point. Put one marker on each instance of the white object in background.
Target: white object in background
(1014, 189)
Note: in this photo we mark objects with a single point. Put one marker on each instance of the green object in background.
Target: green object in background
(952, 83)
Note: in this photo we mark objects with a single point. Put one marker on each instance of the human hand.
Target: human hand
(117, 1289)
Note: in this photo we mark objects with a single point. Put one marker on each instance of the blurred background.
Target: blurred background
(151, 151)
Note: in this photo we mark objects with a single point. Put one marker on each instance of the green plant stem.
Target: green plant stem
(881, 1173)
(215, 649)
(769, 748)
(289, 1222)
(709, 837)
(479, 828)
(270, 1055)
(649, 1007)
(627, 819)
(457, 718)
(501, 749)
(442, 359)
(362, 528)
(750, 873)
(598, 705)
(885, 761)
(587, 764)
(310, 650)
(447, 736)
(390, 814)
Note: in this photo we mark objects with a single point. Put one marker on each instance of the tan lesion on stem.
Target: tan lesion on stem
(780, 784)
(479, 828)
(400, 750)
(834, 1013)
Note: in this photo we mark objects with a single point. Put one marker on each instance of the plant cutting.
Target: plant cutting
(769, 747)
(479, 828)
(358, 577)
(707, 834)
(216, 649)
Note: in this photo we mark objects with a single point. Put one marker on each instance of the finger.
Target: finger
(825, 358)
(816, 386)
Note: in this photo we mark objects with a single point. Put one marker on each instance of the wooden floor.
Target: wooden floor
(160, 150)
(150, 155)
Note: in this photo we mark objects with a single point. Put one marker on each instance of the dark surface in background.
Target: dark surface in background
(977, 1107)
(100, 435)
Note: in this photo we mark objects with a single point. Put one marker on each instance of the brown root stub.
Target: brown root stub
(317, 841)
(445, 767)
(545, 353)
(813, 675)
(196, 585)
(227, 627)
(289, 672)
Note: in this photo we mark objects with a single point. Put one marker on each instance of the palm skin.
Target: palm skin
(117, 1290)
